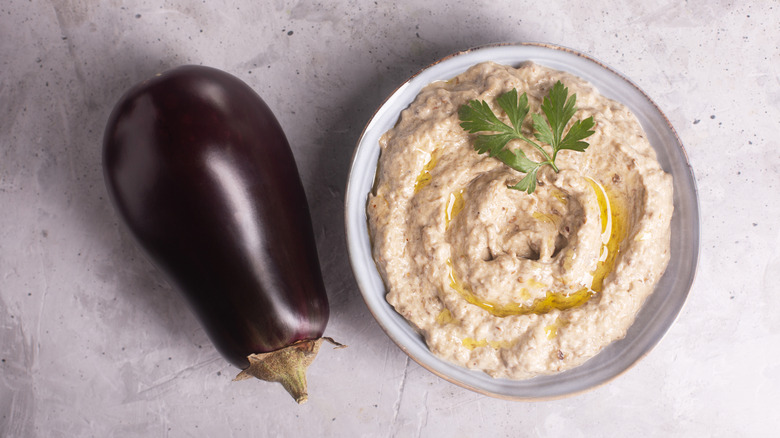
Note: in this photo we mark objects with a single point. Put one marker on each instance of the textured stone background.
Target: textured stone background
(94, 342)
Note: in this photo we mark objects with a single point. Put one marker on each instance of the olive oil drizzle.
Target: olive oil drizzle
(424, 178)
(540, 306)
(613, 219)
(455, 204)
(444, 317)
(552, 330)
(472, 343)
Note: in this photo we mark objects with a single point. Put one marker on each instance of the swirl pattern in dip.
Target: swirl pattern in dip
(517, 285)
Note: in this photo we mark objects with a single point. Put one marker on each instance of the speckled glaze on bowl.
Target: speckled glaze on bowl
(660, 309)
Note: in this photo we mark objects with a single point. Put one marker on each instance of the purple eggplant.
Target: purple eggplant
(202, 174)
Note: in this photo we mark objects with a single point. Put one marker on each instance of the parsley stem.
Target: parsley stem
(540, 149)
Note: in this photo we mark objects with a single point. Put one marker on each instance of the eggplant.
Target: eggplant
(200, 171)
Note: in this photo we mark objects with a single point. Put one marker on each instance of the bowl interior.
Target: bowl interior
(660, 309)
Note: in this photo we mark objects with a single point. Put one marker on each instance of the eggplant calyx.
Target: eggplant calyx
(287, 366)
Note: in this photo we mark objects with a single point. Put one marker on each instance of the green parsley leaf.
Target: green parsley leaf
(580, 130)
(558, 108)
(477, 116)
(492, 143)
(517, 160)
(514, 109)
(528, 183)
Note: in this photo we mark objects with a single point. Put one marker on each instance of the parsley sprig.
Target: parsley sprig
(558, 108)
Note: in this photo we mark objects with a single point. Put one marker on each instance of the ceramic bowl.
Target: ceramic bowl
(660, 309)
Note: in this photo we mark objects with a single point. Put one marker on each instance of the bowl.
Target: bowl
(660, 309)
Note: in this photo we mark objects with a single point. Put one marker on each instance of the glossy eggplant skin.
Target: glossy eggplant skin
(201, 172)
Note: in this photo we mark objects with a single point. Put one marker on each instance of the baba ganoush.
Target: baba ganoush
(499, 280)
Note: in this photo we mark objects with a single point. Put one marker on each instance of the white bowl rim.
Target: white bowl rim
(353, 245)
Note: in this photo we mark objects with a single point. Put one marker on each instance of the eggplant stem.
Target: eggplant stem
(287, 366)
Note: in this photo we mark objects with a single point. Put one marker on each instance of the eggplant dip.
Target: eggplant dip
(513, 283)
